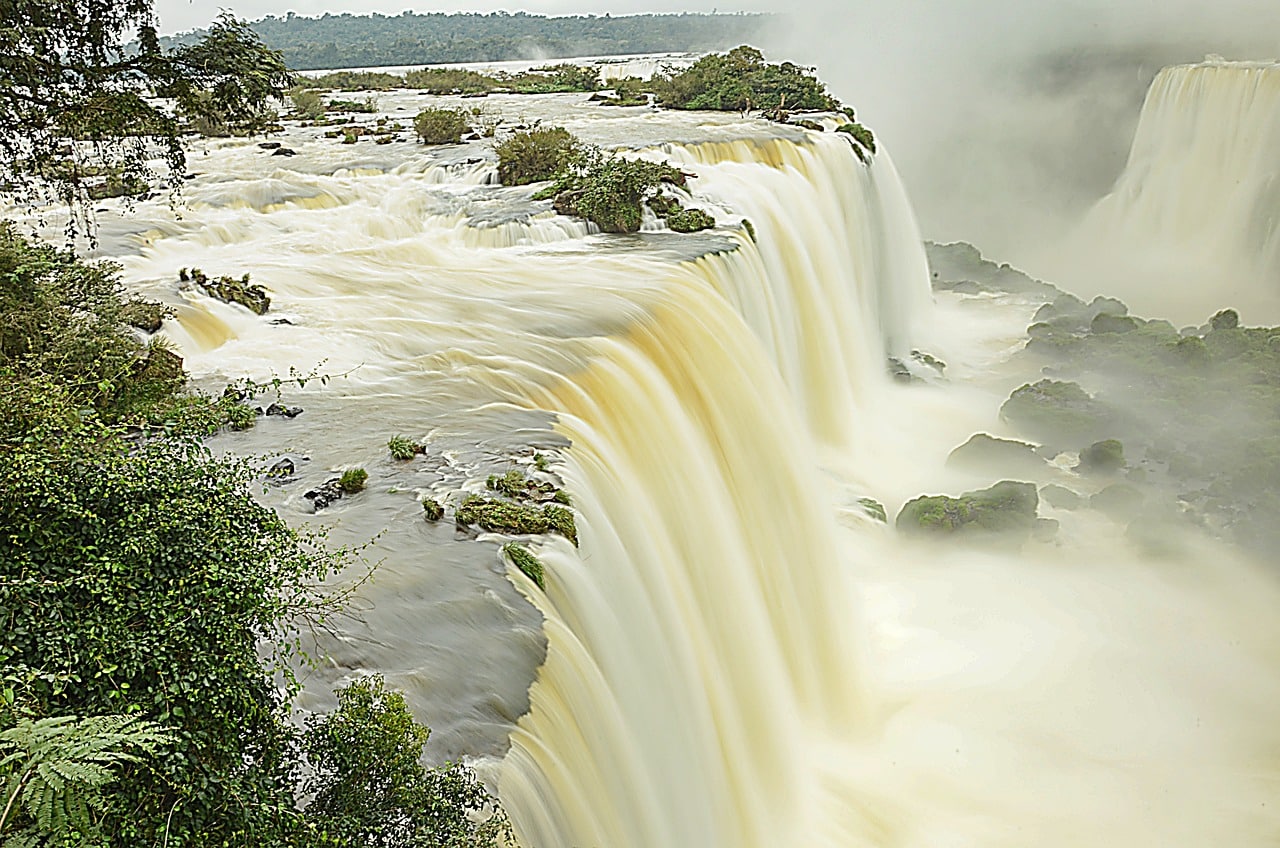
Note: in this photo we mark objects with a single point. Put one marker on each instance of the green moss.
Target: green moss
(506, 517)
(984, 453)
(1055, 410)
(353, 480)
(146, 315)
(690, 221)
(536, 155)
(441, 126)
(1227, 319)
(228, 290)
(1008, 507)
(874, 508)
(860, 134)
(528, 564)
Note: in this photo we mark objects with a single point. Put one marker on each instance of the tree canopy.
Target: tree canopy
(80, 101)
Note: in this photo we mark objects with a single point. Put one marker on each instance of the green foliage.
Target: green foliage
(504, 517)
(371, 788)
(307, 104)
(68, 75)
(690, 221)
(449, 81)
(230, 290)
(441, 126)
(741, 81)
(368, 41)
(366, 107)
(402, 448)
(536, 155)
(866, 142)
(873, 508)
(354, 81)
(528, 564)
(353, 480)
(432, 509)
(609, 190)
(1054, 410)
(53, 771)
(514, 484)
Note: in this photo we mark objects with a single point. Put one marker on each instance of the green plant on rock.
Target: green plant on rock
(866, 141)
(441, 126)
(1008, 507)
(307, 104)
(403, 449)
(353, 480)
(535, 155)
(690, 221)
(528, 564)
(370, 787)
(499, 516)
(432, 509)
(740, 81)
(610, 190)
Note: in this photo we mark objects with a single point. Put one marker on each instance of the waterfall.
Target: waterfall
(1193, 223)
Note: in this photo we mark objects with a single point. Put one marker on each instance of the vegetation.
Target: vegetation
(742, 81)
(370, 787)
(403, 449)
(865, 142)
(528, 564)
(874, 508)
(610, 190)
(229, 290)
(535, 155)
(499, 516)
(441, 126)
(366, 107)
(69, 78)
(53, 771)
(353, 480)
(367, 41)
(1056, 411)
(432, 509)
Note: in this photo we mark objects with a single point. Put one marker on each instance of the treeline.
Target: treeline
(355, 41)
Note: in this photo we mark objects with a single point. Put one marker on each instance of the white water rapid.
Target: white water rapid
(737, 655)
(1193, 223)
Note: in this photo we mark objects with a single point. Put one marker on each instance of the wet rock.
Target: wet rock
(1105, 457)
(1008, 508)
(1056, 411)
(874, 508)
(283, 467)
(325, 494)
(1060, 497)
(269, 145)
(286, 411)
(1105, 322)
(1120, 501)
(987, 453)
(1227, 319)
(284, 151)
(146, 315)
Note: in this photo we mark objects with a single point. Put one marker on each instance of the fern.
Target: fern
(53, 768)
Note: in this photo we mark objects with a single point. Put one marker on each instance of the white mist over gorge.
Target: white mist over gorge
(752, 643)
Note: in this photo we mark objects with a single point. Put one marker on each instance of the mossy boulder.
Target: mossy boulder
(146, 315)
(1227, 319)
(1105, 457)
(1060, 497)
(1121, 501)
(690, 221)
(1105, 322)
(432, 510)
(528, 564)
(1007, 508)
(249, 295)
(1056, 411)
(987, 453)
(499, 516)
(874, 508)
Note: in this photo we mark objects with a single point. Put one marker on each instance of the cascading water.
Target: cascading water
(735, 656)
(1193, 223)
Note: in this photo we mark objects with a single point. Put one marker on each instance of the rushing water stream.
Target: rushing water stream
(736, 656)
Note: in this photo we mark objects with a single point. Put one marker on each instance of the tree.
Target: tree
(371, 788)
(74, 104)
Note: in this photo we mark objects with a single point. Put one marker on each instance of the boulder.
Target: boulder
(1008, 508)
(284, 151)
(1056, 411)
(325, 494)
(984, 453)
(1105, 457)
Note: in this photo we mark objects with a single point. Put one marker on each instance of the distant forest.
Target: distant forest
(358, 41)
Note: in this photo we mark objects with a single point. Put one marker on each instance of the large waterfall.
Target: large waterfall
(1193, 223)
(737, 655)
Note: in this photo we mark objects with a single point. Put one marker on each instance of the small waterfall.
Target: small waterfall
(1193, 223)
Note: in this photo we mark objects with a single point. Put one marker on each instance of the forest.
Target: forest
(365, 41)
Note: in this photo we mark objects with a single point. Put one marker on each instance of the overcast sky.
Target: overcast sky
(179, 15)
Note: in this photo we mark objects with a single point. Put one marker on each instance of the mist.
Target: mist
(1008, 120)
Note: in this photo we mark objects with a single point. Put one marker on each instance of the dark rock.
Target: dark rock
(284, 151)
(1056, 411)
(269, 145)
(1007, 508)
(146, 315)
(1105, 457)
(286, 411)
(278, 321)
(325, 494)
(282, 468)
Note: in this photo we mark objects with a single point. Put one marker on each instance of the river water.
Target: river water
(737, 655)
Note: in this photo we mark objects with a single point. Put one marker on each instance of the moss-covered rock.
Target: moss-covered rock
(690, 221)
(1056, 411)
(874, 508)
(249, 295)
(432, 509)
(1060, 497)
(1007, 508)
(1121, 501)
(146, 315)
(1227, 319)
(987, 453)
(498, 516)
(528, 564)
(1105, 457)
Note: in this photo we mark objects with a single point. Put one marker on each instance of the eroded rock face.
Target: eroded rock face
(1006, 509)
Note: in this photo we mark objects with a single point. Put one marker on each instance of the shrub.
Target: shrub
(367, 106)
(441, 126)
(739, 81)
(529, 564)
(610, 190)
(307, 104)
(449, 81)
(690, 221)
(536, 155)
(860, 134)
(353, 480)
(504, 517)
